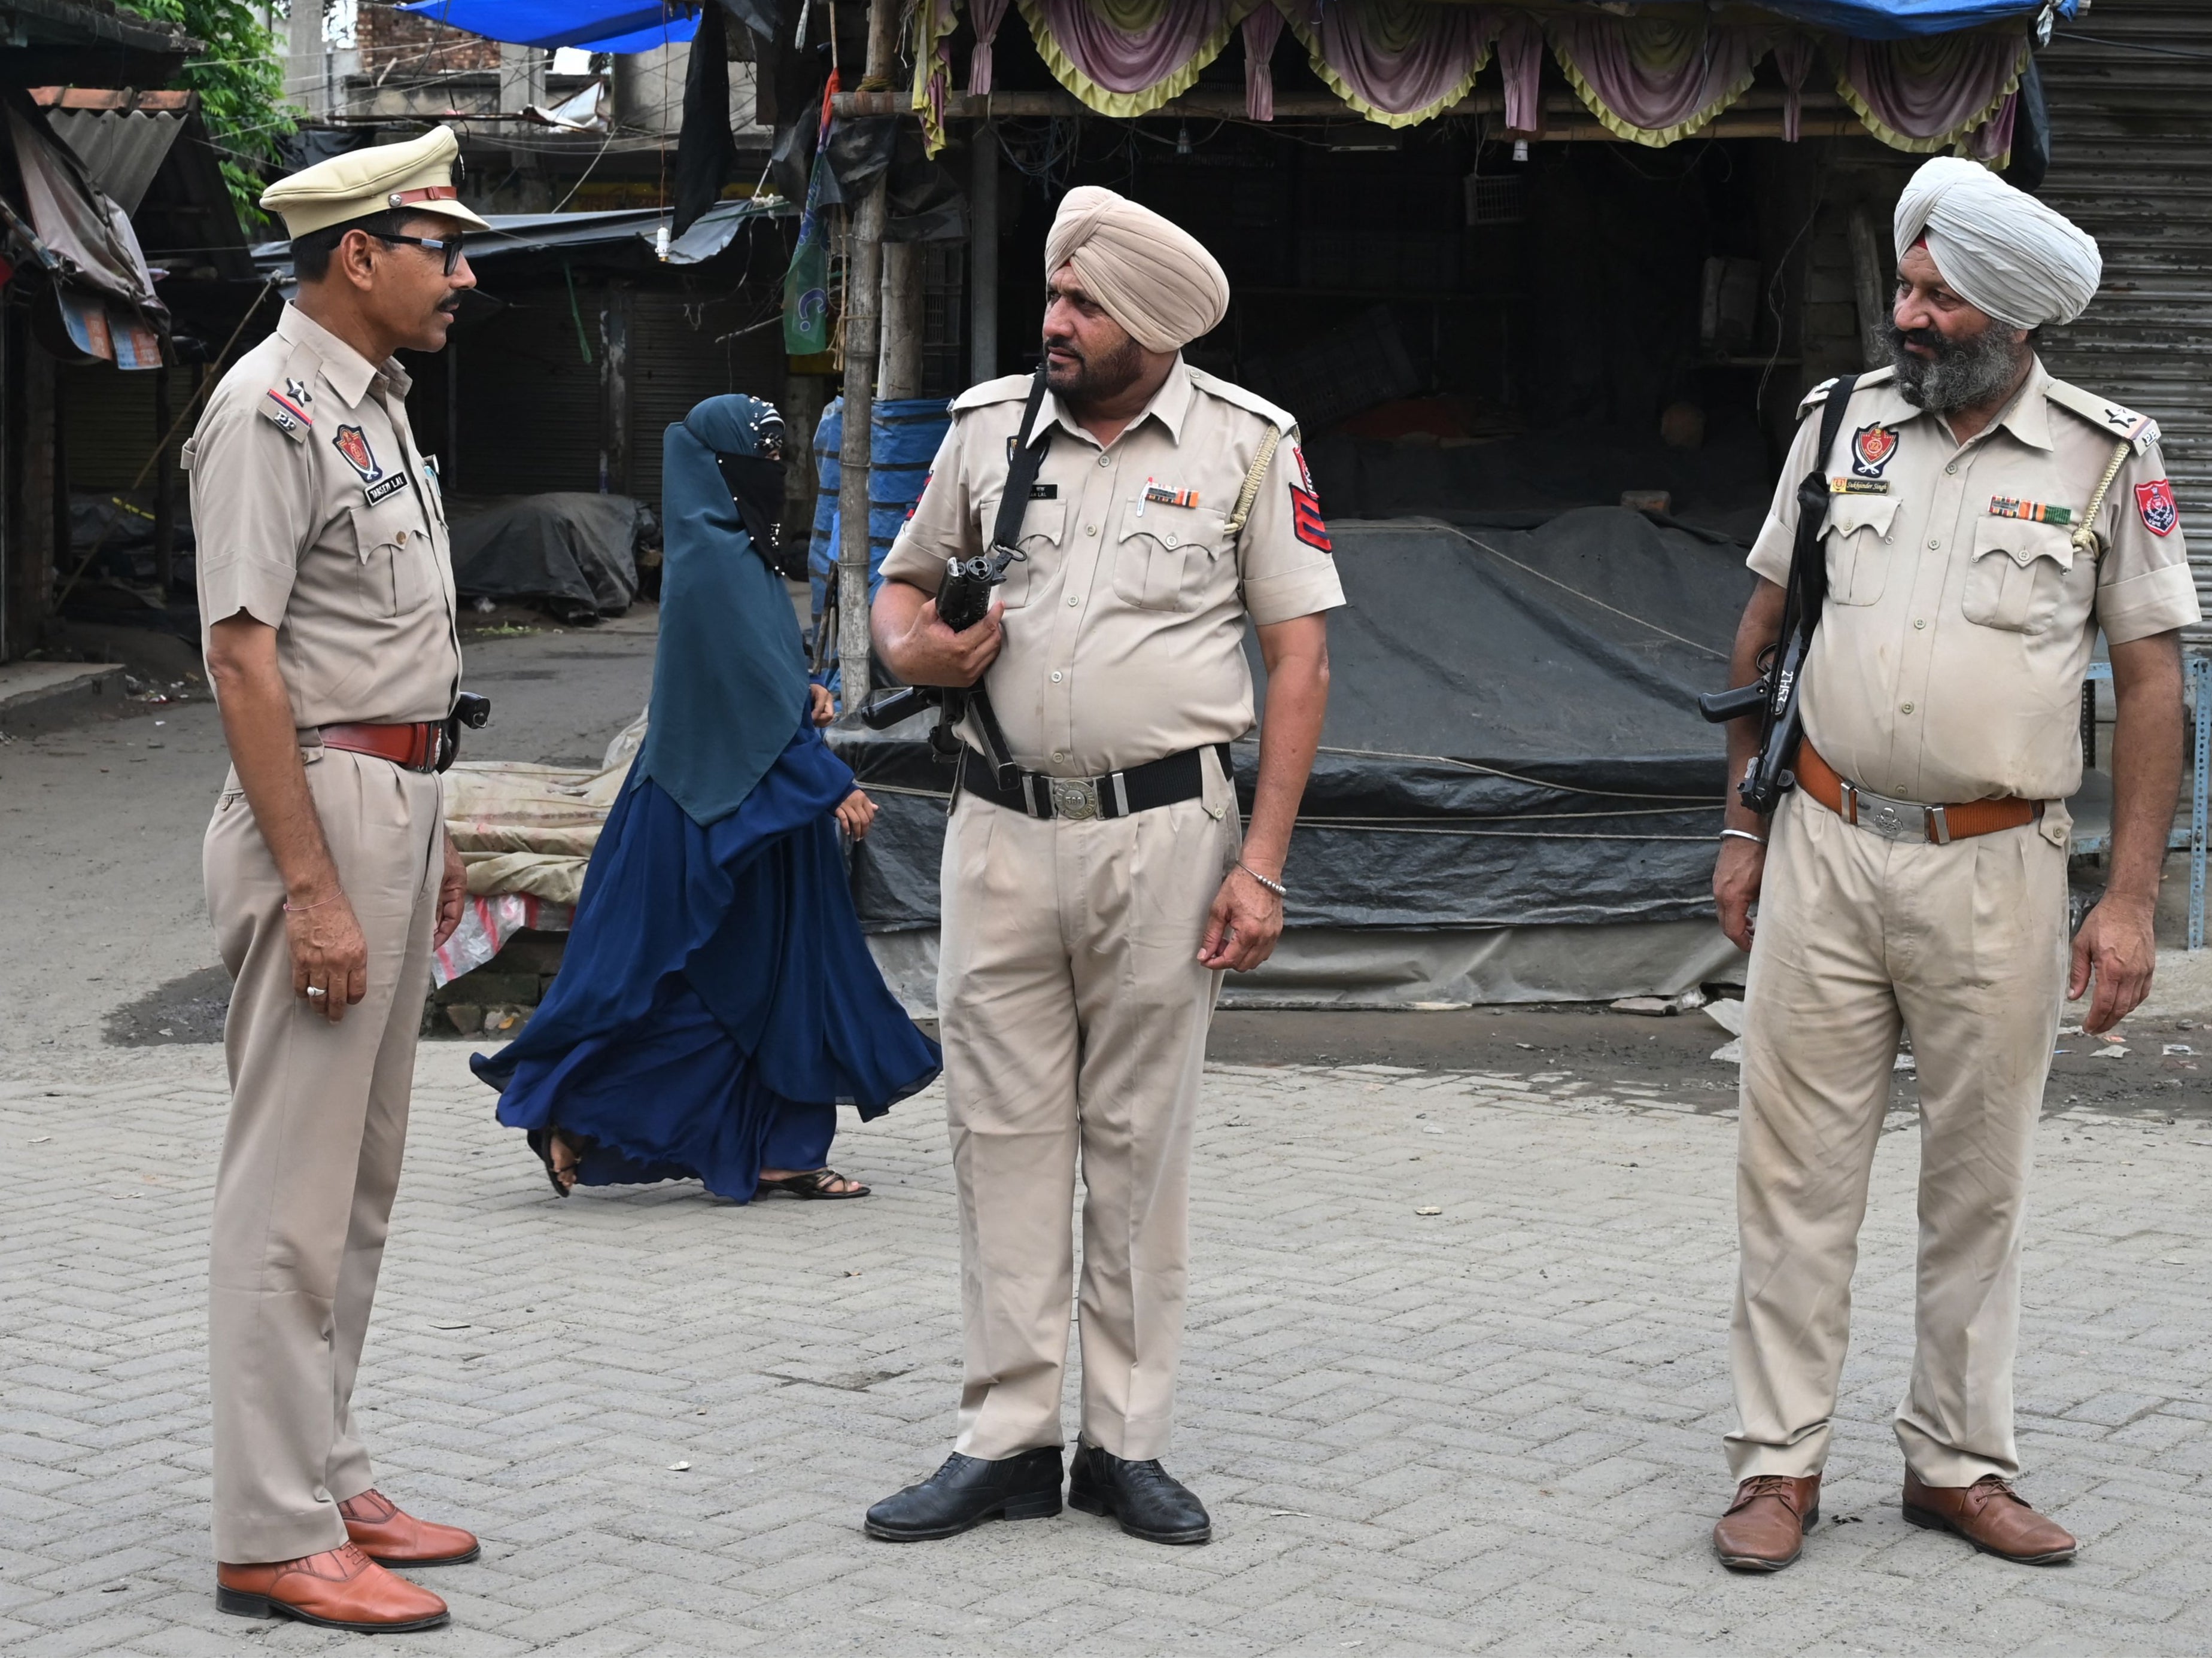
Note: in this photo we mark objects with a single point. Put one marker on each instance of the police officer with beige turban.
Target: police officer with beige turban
(1093, 898)
(1984, 522)
(326, 601)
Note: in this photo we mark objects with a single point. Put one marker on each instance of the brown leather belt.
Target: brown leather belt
(415, 747)
(1905, 820)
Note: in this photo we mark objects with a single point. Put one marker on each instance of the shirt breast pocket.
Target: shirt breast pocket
(1164, 557)
(1040, 541)
(2018, 576)
(1857, 547)
(394, 560)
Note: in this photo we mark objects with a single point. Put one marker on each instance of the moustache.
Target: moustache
(1928, 338)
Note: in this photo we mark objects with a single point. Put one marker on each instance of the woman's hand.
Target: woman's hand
(820, 709)
(855, 813)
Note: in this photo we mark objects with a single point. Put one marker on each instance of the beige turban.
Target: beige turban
(1148, 274)
(1999, 248)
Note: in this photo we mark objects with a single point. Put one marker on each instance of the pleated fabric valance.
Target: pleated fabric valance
(1650, 79)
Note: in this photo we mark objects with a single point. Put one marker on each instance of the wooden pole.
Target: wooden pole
(1868, 287)
(983, 254)
(864, 277)
(165, 496)
(900, 373)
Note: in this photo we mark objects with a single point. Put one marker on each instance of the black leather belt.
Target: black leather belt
(1118, 793)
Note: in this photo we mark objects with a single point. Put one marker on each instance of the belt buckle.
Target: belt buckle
(1893, 820)
(1074, 798)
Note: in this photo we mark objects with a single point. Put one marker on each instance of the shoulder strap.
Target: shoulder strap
(1808, 566)
(1021, 469)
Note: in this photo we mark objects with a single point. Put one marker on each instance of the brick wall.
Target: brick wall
(406, 44)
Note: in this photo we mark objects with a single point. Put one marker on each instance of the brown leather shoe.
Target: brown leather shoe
(339, 1589)
(1765, 1528)
(392, 1537)
(1992, 1517)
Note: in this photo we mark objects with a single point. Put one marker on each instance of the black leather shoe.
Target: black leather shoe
(1150, 1502)
(968, 1491)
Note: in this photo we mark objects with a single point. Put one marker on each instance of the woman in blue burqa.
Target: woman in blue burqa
(716, 1001)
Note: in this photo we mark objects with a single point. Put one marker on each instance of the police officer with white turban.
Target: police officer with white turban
(1094, 893)
(1984, 522)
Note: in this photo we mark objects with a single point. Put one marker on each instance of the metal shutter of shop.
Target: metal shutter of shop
(2131, 163)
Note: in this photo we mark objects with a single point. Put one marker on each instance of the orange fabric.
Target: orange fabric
(1822, 781)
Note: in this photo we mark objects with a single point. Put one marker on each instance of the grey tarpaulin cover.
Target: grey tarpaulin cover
(572, 552)
(1511, 737)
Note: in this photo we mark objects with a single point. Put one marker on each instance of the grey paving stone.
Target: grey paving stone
(1491, 1430)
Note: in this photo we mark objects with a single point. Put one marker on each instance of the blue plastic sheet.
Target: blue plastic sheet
(589, 25)
(626, 25)
(1895, 20)
(904, 436)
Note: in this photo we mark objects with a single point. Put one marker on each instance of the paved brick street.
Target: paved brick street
(1493, 1428)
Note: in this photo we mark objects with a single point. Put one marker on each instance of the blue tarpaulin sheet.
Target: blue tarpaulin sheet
(1893, 20)
(626, 25)
(590, 25)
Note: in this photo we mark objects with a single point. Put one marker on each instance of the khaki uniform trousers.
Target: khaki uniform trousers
(310, 1157)
(1073, 1015)
(1965, 945)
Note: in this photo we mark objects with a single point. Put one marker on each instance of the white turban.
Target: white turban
(1999, 248)
(1147, 273)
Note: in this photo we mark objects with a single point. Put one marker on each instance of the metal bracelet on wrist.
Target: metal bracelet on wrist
(1743, 834)
(1275, 887)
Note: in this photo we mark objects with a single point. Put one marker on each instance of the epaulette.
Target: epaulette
(1819, 395)
(1007, 388)
(284, 409)
(2139, 432)
(1281, 419)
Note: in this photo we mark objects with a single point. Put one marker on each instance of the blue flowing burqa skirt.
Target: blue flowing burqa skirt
(716, 1001)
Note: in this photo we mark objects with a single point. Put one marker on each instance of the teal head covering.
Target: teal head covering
(729, 681)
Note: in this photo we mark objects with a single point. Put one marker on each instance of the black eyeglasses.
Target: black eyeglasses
(448, 245)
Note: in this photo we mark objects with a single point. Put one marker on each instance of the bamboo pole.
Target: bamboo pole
(864, 275)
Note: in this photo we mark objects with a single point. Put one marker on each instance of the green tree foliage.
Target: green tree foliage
(240, 80)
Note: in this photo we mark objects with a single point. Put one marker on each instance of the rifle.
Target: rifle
(1775, 695)
(964, 598)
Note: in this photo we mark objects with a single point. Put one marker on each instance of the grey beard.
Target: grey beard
(1963, 374)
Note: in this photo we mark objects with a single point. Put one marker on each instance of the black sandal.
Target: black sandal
(541, 1142)
(810, 1185)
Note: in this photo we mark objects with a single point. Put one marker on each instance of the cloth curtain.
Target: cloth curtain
(1125, 57)
(1396, 62)
(986, 15)
(1520, 61)
(934, 23)
(1263, 28)
(1652, 80)
(1930, 93)
(1793, 58)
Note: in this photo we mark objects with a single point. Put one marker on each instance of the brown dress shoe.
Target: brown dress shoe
(339, 1589)
(1992, 1517)
(392, 1537)
(1765, 1527)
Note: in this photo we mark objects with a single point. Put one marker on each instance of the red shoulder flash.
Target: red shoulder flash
(2161, 514)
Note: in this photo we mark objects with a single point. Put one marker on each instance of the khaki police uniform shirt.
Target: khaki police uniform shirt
(1948, 662)
(1125, 623)
(313, 512)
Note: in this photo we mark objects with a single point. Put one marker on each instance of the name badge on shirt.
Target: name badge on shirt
(387, 487)
(1858, 486)
(1045, 492)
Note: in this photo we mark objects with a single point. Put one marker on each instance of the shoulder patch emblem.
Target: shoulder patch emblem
(1306, 521)
(2155, 502)
(1871, 448)
(352, 443)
